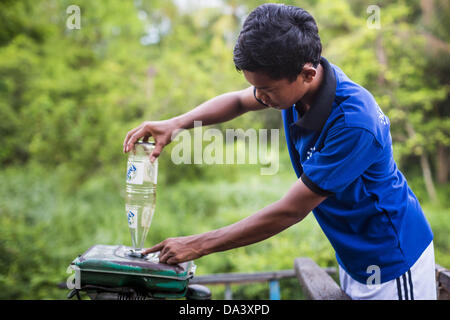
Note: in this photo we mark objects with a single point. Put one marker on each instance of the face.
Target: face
(280, 94)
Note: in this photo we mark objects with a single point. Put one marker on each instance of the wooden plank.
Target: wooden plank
(443, 277)
(223, 278)
(316, 283)
(443, 282)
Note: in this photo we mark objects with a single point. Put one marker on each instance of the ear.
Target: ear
(308, 73)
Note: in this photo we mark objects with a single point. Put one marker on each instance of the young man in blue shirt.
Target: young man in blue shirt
(341, 150)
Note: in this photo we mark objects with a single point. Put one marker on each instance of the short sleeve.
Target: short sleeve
(346, 154)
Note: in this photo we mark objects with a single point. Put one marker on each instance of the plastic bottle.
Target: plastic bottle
(140, 192)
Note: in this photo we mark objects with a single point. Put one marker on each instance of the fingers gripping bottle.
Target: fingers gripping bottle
(140, 193)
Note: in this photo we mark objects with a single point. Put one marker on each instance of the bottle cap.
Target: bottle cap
(146, 147)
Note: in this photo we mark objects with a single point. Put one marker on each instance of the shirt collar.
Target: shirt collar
(317, 115)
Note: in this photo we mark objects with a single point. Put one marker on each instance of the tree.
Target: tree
(394, 63)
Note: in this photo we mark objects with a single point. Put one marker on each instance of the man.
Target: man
(341, 149)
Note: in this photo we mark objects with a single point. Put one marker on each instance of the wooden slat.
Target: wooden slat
(443, 277)
(316, 283)
(221, 278)
(443, 282)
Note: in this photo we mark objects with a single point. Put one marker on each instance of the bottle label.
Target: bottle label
(132, 216)
(135, 172)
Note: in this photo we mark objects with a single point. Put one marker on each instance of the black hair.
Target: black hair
(278, 40)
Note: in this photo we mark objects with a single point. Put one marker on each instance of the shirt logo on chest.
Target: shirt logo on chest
(381, 117)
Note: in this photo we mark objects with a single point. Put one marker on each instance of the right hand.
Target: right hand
(161, 131)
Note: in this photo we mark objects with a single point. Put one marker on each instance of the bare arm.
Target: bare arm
(219, 109)
(274, 218)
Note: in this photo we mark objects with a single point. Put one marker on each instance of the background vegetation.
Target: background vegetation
(68, 97)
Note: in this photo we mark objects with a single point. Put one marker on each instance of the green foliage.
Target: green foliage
(398, 65)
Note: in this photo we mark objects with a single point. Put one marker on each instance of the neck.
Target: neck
(308, 98)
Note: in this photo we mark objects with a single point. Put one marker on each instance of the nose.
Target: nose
(261, 97)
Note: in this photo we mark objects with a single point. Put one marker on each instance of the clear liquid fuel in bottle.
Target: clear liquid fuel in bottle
(140, 193)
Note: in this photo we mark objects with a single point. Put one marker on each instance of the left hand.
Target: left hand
(177, 250)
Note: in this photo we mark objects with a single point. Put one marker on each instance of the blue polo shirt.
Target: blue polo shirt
(342, 148)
